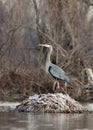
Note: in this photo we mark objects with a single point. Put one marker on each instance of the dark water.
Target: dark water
(26, 121)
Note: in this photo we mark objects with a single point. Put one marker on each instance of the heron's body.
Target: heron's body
(55, 71)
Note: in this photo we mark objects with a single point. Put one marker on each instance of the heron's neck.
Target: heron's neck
(48, 61)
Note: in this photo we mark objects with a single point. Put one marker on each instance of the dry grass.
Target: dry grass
(26, 23)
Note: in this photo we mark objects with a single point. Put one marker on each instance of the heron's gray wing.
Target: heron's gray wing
(57, 72)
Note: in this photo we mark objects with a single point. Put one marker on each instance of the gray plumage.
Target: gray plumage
(58, 73)
(54, 70)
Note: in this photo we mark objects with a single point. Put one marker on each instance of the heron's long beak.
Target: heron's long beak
(42, 45)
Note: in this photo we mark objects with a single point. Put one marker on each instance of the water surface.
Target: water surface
(27, 121)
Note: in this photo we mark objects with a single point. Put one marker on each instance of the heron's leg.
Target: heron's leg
(55, 85)
(66, 87)
(58, 84)
(63, 89)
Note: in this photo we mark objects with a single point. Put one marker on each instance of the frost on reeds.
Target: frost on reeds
(90, 14)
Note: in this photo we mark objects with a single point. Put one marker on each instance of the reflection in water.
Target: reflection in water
(27, 121)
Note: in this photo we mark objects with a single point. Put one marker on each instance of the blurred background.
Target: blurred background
(66, 24)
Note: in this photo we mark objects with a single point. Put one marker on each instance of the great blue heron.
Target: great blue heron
(55, 71)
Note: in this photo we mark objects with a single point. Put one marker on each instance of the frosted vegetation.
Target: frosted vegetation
(55, 103)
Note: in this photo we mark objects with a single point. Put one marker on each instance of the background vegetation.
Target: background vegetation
(66, 24)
